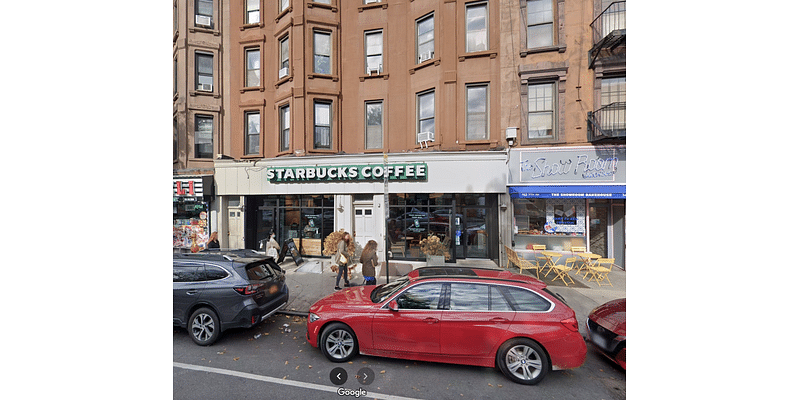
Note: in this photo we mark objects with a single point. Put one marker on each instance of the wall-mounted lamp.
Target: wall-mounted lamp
(503, 207)
(511, 135)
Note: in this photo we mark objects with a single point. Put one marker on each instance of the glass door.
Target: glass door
(598, 229)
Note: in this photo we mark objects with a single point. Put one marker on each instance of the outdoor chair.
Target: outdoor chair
(600, 271)
(562, 270)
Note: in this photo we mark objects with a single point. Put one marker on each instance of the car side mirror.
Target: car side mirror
(393, 305)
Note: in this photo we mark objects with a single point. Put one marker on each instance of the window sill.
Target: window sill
(362, 78)
(492, 54)
(252, 156)
(204, 30)
(287, 78)
(250, 26)
(251, 89)
(201, 93)
(384, 5)
(433, 61)
(331, 7)
(548, 49)
(323, 76)
(282, 13)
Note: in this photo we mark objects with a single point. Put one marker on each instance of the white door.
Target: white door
(235, 228)
(365, 224)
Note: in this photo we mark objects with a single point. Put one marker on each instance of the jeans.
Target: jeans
(369, 280)
(342, 271)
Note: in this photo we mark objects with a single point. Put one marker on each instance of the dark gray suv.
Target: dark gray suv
(216, 291)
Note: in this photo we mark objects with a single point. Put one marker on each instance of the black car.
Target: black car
(216, 291)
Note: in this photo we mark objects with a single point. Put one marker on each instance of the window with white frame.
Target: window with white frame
(426, 113)
(540, 23)
(252, 11)
(477, 33)
(541, 110)
(204, 13)
(322, 52)
(253, 72)
(425, 38)
(203, 136)
(252, 132)
(478, 112)
(285, 123)
(283, 44)
(322, 125)
(204, 71)
(373, 120)
(373, 51)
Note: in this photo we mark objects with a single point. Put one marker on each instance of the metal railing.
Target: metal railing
(608, 32)
(606, 122)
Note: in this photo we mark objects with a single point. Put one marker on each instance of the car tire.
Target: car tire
(204, 327)
(523, 361)
(338, 343)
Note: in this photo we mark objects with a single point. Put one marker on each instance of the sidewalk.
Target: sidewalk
(314, 280)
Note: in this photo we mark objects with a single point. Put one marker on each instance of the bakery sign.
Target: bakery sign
(349, 173)
(572, 165)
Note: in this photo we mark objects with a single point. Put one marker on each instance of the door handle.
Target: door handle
(192, 291)
(431, 320)
(499, 320)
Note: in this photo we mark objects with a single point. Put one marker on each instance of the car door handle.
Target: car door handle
(499, 320)
(193, 291)
(431, 320)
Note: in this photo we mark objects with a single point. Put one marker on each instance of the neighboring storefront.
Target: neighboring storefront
(191, 214)
(451, 195)
(569, 196)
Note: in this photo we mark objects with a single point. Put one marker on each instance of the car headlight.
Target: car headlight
(312, 317)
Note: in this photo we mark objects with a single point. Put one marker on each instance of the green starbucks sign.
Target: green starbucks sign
(349, 173)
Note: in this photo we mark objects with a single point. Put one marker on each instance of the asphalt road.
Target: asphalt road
(280, 364)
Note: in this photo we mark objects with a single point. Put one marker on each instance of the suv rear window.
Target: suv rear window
(259, 271)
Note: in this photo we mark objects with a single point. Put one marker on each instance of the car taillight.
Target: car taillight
(246, 290)
(571, 324)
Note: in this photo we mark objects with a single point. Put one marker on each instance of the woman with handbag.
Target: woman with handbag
(344, 258)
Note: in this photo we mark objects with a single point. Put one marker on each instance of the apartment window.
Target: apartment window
(541, 110)
(253, 73)
(283, 69)
(285, 123)
(204, 75)
(252, 132)
(477, 34)
(203, 136)
(540, 23)
(426, 108)
(204, 11)
(284, 5)
(253, 12)
(174, 76)
(373, 120)
(425, 38)
(612, 102)
(174, 138)
(322, 53)
(373, 50)
(323, 1)
(477, 112)
(322, 125)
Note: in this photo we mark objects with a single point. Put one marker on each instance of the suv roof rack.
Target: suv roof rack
(223, 254)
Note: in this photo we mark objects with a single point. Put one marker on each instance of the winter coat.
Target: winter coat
(342, 249)
(368, 262)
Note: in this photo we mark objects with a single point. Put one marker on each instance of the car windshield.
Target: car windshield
(382, 292)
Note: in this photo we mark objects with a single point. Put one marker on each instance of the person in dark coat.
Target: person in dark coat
(369, 260)
(213, 242)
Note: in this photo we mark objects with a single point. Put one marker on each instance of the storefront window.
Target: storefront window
(307, 220)
(558, 224)
(189, 224)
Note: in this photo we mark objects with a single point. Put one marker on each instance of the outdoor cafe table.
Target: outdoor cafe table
(550, 257)
(587, 261)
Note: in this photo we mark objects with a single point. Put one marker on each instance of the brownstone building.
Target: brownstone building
(467, 100)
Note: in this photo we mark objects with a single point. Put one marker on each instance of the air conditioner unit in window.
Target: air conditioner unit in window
(376, 70)
(205, 87)
(424, 138)
(372, 1)
(203, 20)
(425, 56)
(283, 72)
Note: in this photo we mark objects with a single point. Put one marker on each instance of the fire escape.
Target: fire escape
(608, 37)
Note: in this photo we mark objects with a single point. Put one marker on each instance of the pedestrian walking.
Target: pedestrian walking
(344, 258)
(369, 259)
(213, 242)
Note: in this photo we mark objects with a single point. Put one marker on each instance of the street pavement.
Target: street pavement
(313, 280)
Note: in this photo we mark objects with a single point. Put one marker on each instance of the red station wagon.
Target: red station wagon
(472, 316)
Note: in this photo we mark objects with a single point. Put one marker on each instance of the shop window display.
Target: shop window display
(189, 225)
(557, 223)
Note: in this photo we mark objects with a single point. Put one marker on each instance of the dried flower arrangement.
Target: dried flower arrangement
(433, 246)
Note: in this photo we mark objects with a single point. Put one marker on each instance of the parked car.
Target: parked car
(606, 325)
(215, 291)
(472, 316)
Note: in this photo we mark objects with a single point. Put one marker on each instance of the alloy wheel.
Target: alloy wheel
(524, 362)
(339, 344)
(203, 327)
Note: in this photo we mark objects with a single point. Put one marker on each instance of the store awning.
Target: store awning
(568, 192)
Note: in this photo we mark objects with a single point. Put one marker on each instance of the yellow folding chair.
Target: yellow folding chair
(520, 262)
(562, 270)
(600, 271)
(578, 249)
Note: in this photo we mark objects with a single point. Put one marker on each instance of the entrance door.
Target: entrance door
(618, 236)
(598, 229)
(364, 224)
(235, 225)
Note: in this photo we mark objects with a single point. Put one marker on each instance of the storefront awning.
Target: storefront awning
(568, 192)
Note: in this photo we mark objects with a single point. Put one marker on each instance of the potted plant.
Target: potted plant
(435, 250)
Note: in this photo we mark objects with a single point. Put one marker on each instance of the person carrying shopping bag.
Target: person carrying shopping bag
(345, 250)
